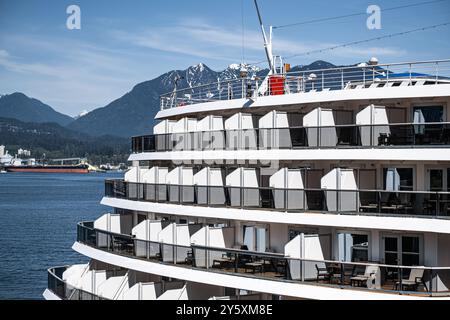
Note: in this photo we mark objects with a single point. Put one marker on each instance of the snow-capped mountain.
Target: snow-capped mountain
(81, 114)
(133, 114)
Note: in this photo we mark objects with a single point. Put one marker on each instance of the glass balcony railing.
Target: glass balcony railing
(343, 136)
(371, 202)
(414, 280)
(421, 73)
(65, 291)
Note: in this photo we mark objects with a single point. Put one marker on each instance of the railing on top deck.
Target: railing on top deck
(375, 276)
(351, 202)
(341, 136)
(339, 78)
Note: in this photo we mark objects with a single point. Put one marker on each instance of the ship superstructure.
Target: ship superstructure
(331, 184)
(319, 184)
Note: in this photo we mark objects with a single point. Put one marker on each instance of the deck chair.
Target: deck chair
(414, 280)
(370, 270)
(322, 272)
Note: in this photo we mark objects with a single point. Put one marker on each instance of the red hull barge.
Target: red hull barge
(82, 169)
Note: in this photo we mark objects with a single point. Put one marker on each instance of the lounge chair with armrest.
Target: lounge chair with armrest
(358, 280)
(414, 280)
(322, 272)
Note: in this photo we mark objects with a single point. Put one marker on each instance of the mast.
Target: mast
(267, 44)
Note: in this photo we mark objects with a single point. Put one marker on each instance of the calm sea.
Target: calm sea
(38, 219)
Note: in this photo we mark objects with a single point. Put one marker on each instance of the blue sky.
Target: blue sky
(122, 43)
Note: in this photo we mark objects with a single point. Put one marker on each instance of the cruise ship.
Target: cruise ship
(319, 184)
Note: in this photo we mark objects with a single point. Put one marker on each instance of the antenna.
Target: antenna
(174, 93)
(267, 44)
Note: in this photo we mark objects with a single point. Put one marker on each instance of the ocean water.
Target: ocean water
(38, 226)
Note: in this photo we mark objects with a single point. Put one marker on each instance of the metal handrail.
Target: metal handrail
(337, 78)
(51, 272)
(268, 254)
(282, 189)
(300, 127)
(323, 70)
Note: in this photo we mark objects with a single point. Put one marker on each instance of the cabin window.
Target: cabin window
(410, 251)
(436, 180)
(398, 179)
(428, 114)
(402, 250)
(353, 247)
(448, 179)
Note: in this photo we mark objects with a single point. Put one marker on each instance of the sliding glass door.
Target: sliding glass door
(402, 250)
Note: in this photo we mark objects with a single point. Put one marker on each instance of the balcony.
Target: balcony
(63, 290)
(80, 282)
(321, 137)
(344, 78)
(351, 202)
(412, 280)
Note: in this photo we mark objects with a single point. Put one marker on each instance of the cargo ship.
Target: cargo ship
(72, 165)
(80, 168)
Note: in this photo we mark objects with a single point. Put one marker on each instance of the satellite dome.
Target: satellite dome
(373, 61)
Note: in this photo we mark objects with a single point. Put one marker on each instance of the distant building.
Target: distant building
(23, 152)
(5, 158)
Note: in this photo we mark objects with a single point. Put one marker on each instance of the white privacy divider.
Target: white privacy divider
(181, 140)
(210, 123)
(243, 178)
(274, 119)
(288, 179)
(309, 247)
(213, 238)
(275, 138)
(73, 274)
(132, 175)
(213, 136)
(341, 179)
(110, 289)
(164, 127)
(181, 176)
(136, 175)
(320, 117)
(372, 115)
(240, 132)
(175, 294)
(185, 125)
(108, 222)
(143, 291)
(155, 175)
(210, 177)
(179, 235)
(91, 280)
(148, 230)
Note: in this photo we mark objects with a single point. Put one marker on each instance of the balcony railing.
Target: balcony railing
(416, 280)
(340, 78)
(371, 202)
(342, 136)
(65, 291)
